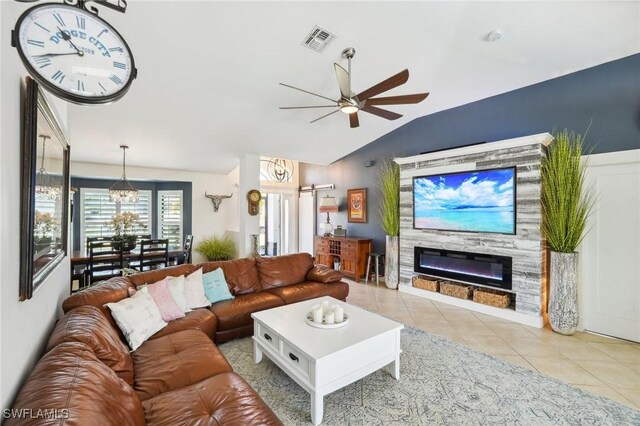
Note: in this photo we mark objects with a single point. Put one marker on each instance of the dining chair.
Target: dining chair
(186, 254)
(105, 260)
(154, 254)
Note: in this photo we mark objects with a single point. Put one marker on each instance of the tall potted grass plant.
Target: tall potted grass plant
(566, 204)
(390, 219)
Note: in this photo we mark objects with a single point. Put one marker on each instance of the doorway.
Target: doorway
(276, 224)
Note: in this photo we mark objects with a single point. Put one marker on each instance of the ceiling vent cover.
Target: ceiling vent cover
(318, 39)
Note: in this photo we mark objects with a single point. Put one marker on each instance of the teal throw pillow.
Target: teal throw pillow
(215, 286)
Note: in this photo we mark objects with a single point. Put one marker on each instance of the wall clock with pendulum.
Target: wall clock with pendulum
(73, 53)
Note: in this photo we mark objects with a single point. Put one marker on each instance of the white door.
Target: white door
(610, 252)
(307, 222)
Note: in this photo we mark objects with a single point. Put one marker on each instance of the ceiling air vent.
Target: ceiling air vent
(318, 39)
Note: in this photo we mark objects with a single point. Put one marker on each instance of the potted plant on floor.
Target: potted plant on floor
(217, 248)
(390, 219)
(566, 204)
(124, 226)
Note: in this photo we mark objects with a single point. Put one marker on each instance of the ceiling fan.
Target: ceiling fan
(350, 103)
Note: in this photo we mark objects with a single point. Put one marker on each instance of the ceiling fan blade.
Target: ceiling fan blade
(353, 120)
(343, 81)
(326, 115)
(306, 91)
(388, 84)
(397, 100)
(380, 112)
(313, 106)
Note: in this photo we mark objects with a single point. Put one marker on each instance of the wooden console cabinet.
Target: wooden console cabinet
(352, 253)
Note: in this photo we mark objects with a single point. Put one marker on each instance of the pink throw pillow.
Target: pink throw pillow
(168, 307)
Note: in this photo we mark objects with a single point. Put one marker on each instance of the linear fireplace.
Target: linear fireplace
(477, 268)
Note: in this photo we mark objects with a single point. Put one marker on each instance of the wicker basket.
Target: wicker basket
(490, 297)
(425, 283)
(460, 291)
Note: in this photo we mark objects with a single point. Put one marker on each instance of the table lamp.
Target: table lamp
(328, 205)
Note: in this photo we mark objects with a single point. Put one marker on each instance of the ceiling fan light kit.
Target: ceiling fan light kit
(351, 103)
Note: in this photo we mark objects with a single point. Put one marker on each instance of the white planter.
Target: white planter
(392, 262)
(563, 300)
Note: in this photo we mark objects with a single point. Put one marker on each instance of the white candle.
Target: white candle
(317, 314)
(325, 307)
(329, 319)
(338, 313)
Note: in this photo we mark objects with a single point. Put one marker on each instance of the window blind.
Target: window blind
(170, 217)
(96, 211)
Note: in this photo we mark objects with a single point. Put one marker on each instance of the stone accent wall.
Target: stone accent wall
(526, 247)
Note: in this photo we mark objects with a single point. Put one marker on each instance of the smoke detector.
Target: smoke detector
(318, 39)
(494, 35)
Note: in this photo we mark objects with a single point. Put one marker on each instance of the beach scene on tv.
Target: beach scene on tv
(477, 201)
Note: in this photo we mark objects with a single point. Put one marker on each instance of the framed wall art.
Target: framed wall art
(357, 205)
(45, 192)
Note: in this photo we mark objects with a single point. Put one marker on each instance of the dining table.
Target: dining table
(81, 257)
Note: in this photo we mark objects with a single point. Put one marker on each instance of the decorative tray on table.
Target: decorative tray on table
(327, 326)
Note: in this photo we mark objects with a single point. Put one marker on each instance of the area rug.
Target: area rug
(441, 383)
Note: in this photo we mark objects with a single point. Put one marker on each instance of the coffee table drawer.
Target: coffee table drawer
(268, 336)
(294, 358)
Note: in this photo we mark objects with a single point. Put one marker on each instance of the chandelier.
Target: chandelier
(277, 169)
(122, 190)
(48, 187)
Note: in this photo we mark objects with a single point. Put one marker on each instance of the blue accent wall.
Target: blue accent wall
(153, 186)
(607, 96)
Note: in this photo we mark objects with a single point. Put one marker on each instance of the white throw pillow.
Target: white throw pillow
(138, 317)
(176, 287)
(194, 290)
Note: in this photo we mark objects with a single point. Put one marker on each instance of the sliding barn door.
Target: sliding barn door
(307, 222)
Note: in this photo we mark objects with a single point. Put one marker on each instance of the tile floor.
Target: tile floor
(598, 364)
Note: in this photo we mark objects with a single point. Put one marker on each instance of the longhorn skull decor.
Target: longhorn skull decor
(217, 199)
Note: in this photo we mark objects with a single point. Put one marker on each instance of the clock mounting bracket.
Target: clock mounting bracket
(117, 5)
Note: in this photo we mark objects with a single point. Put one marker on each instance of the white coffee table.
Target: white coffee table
(323, 361)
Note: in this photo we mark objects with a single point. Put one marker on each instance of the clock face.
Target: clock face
(254, 196)
(75, 54)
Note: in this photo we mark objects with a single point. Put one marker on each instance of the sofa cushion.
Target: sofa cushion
(87, 324)
(71, 378)
(280, 271)
(138, 317)
(167, 305)
(202, 319)
(310, 290)
(153, 276)
(99, 294)
(324, 274)
(225, 399)
(241, 275)
(237, 312)
(194, 290)
(174, 361)
(215, 286)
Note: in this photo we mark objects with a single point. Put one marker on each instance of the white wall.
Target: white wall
(24, 326)
(205, 222)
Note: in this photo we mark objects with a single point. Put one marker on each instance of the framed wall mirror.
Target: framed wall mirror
(45, 191)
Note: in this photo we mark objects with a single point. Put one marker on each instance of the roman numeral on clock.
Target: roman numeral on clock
(119, 65)
(58, 18)
(58, 76)
(37, 43)
(42, 61)
(115, 79)
(80, 86)
(116, 49)
(81, 21)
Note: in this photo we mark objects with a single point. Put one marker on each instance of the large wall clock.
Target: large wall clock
(74, 54)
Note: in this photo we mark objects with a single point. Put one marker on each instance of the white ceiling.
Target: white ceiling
(208, 72)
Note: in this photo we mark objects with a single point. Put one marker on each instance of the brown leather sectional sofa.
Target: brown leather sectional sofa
(178, 377)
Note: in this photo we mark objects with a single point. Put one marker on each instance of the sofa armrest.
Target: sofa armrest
(324, 274)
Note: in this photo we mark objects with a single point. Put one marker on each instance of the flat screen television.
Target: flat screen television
(472, 201)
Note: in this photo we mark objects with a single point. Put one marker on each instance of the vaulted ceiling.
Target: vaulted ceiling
(208, 72)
